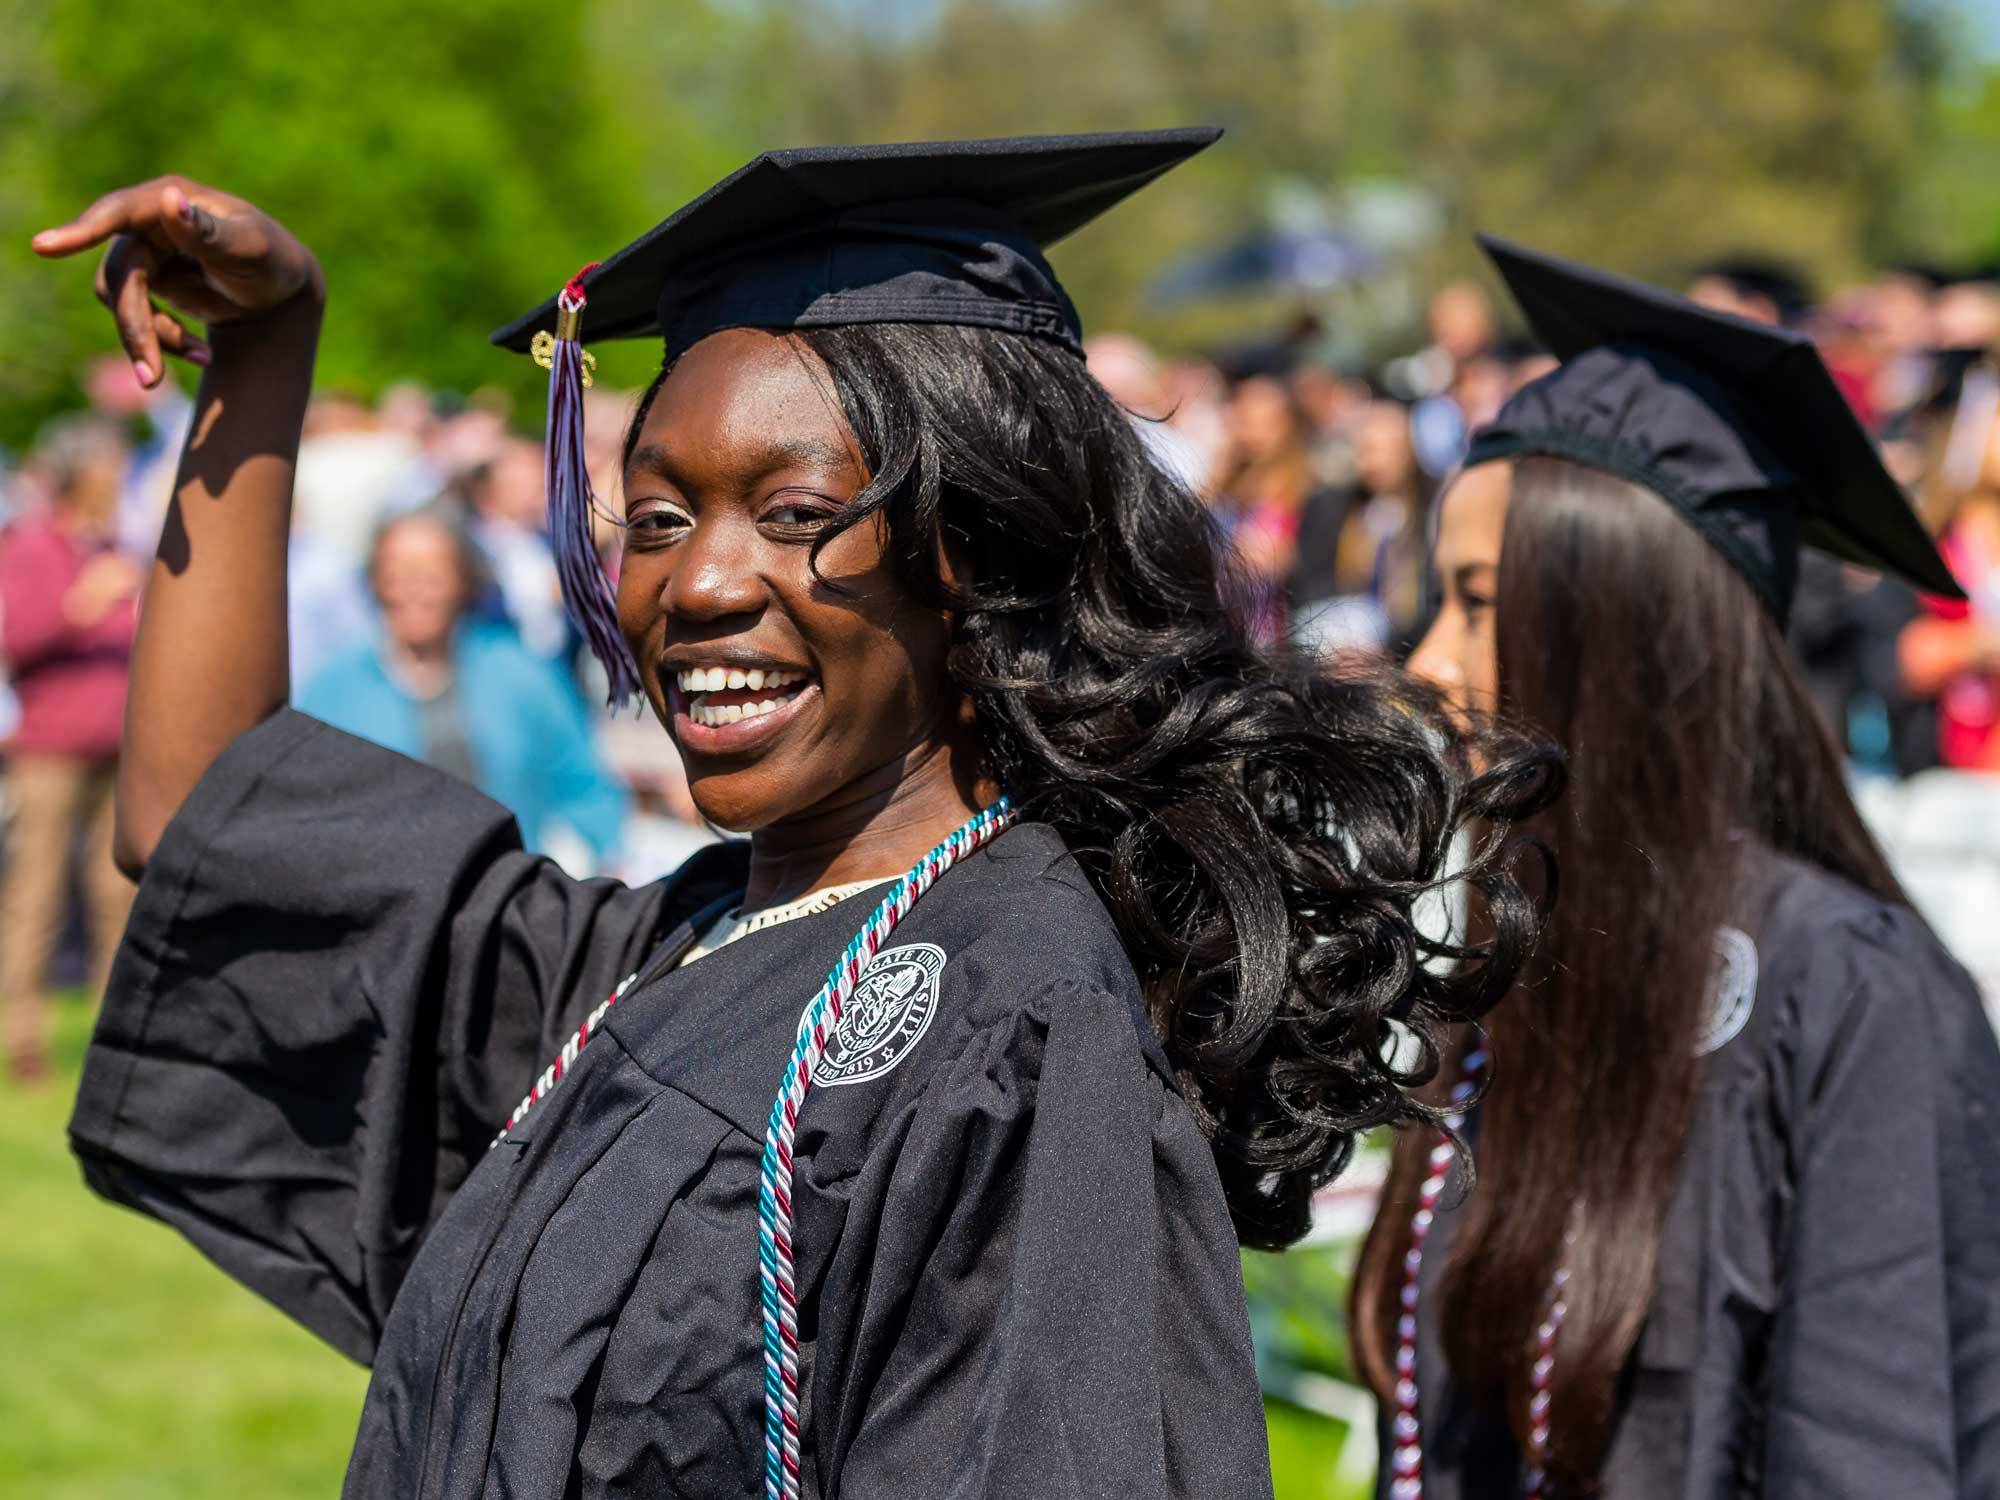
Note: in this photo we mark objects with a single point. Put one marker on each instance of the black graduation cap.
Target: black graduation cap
(921, 232)
(1737, 424)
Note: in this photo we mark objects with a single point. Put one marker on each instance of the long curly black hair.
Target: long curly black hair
(1261, 827)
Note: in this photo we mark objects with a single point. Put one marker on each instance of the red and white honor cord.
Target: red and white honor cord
(774, 1198)
(1406, 1458)
(563, 1061)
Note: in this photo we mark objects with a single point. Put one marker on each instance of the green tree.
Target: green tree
(1650, 134)
(450, 164)
(1953, 199)
(1654, 135)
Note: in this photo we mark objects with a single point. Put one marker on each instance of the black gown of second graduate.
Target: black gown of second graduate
(1017, 1271)
(1823, 1323)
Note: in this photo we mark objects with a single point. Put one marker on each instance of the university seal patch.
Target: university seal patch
(887, 1016)
(1732, 989)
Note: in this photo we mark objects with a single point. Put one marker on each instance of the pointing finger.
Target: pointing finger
(114, 213)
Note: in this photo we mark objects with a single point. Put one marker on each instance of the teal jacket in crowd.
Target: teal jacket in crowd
(524, 721)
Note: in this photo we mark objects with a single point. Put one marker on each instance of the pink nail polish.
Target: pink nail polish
(143, 370)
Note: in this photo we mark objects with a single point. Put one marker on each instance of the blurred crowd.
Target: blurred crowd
(1324, 478)
(426, 613)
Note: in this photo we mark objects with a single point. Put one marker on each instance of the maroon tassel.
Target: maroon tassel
(586, 590)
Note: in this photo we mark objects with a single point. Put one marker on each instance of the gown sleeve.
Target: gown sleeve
(1885, 1359)
(340, 974)
(1041, 1295)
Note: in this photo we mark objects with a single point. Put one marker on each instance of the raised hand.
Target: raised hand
(210, 658)
(206, 253)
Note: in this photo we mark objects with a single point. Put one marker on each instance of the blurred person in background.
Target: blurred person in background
(155, 425)
(606, 413)
(1966, 312)
(1898, 312)
(68, 610)
(354, 471)
(1440, 425)
(511, 532)
(1844, 629)
(1131, 374)
(666, 827)
(407, 410)
(1755, 287)
(464, 695)
(1949, 652)
(1197, 397)
(1486, 379)
(1264, 494)
(1460, 319)
(1843, 329)
(1332, 402)
(1733, 1234)
(468, 435)
(357, 466)
(1359, 571)
(1447, 388)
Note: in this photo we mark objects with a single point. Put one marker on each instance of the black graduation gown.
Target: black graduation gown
(1826, 1321)
(1017, 1270)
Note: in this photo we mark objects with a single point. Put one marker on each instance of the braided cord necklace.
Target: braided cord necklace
(774, 1196)
(1406, 1459)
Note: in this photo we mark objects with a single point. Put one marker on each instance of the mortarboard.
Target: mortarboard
(920, 232)
(1738, 425)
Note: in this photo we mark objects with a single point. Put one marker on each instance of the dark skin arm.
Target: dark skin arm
(211, 656)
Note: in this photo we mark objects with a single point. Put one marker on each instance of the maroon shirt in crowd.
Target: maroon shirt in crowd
(70, 679)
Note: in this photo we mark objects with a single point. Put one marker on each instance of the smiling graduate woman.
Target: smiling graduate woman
(1066, 939)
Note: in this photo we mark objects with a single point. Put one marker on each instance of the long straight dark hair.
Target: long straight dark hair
(1628, 640)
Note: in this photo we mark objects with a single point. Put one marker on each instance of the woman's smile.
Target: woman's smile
(727, 709)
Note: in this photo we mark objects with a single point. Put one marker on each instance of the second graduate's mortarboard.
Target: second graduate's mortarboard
(1738, 425)
(921, 232)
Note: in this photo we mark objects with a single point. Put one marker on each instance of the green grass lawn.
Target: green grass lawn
(136, 1371)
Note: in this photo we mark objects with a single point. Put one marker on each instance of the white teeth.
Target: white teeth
(714, 715)
(729, 679)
